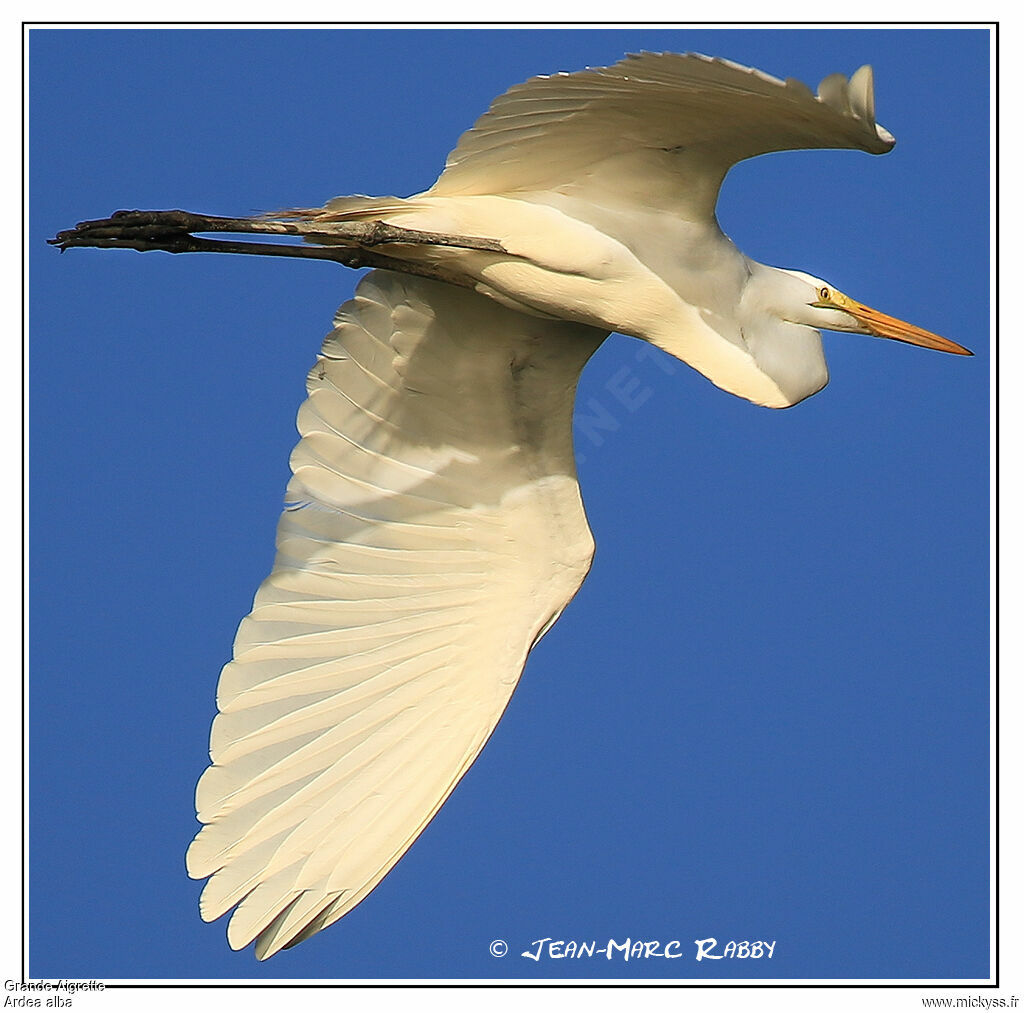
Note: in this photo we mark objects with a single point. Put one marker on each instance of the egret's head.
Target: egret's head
(780, 316)
(829, 309)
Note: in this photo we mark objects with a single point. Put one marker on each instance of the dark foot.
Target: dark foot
(351, 244)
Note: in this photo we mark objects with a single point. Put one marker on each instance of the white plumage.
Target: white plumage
(433, 529)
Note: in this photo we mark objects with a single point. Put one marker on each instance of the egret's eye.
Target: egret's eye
(824, 294)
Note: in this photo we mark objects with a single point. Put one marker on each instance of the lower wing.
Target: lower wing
(433, 530)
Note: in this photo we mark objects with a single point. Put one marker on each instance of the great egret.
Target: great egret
(433, 529)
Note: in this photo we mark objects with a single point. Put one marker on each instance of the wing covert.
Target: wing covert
(432, 531)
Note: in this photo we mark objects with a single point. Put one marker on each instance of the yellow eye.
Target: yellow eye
(824, 294)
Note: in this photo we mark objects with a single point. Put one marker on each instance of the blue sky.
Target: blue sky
(765, 716)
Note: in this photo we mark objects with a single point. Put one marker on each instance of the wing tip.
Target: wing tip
(852, 98)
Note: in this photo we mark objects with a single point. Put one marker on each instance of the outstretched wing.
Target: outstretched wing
(688, 117)
(433, 531)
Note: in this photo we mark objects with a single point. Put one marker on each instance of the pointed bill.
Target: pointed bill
(884, 326)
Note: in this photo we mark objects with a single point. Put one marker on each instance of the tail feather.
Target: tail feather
(358, 206)
(345, 209)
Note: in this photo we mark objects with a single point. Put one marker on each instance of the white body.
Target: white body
(645, 274)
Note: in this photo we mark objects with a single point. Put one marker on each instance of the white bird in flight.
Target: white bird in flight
(433, 530)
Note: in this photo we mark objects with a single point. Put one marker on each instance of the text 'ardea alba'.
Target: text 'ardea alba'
(433, 529)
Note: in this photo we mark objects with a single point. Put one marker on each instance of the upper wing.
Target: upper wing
(433, 530)
(690, 117)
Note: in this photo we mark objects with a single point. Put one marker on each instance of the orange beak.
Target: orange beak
(884, 326)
